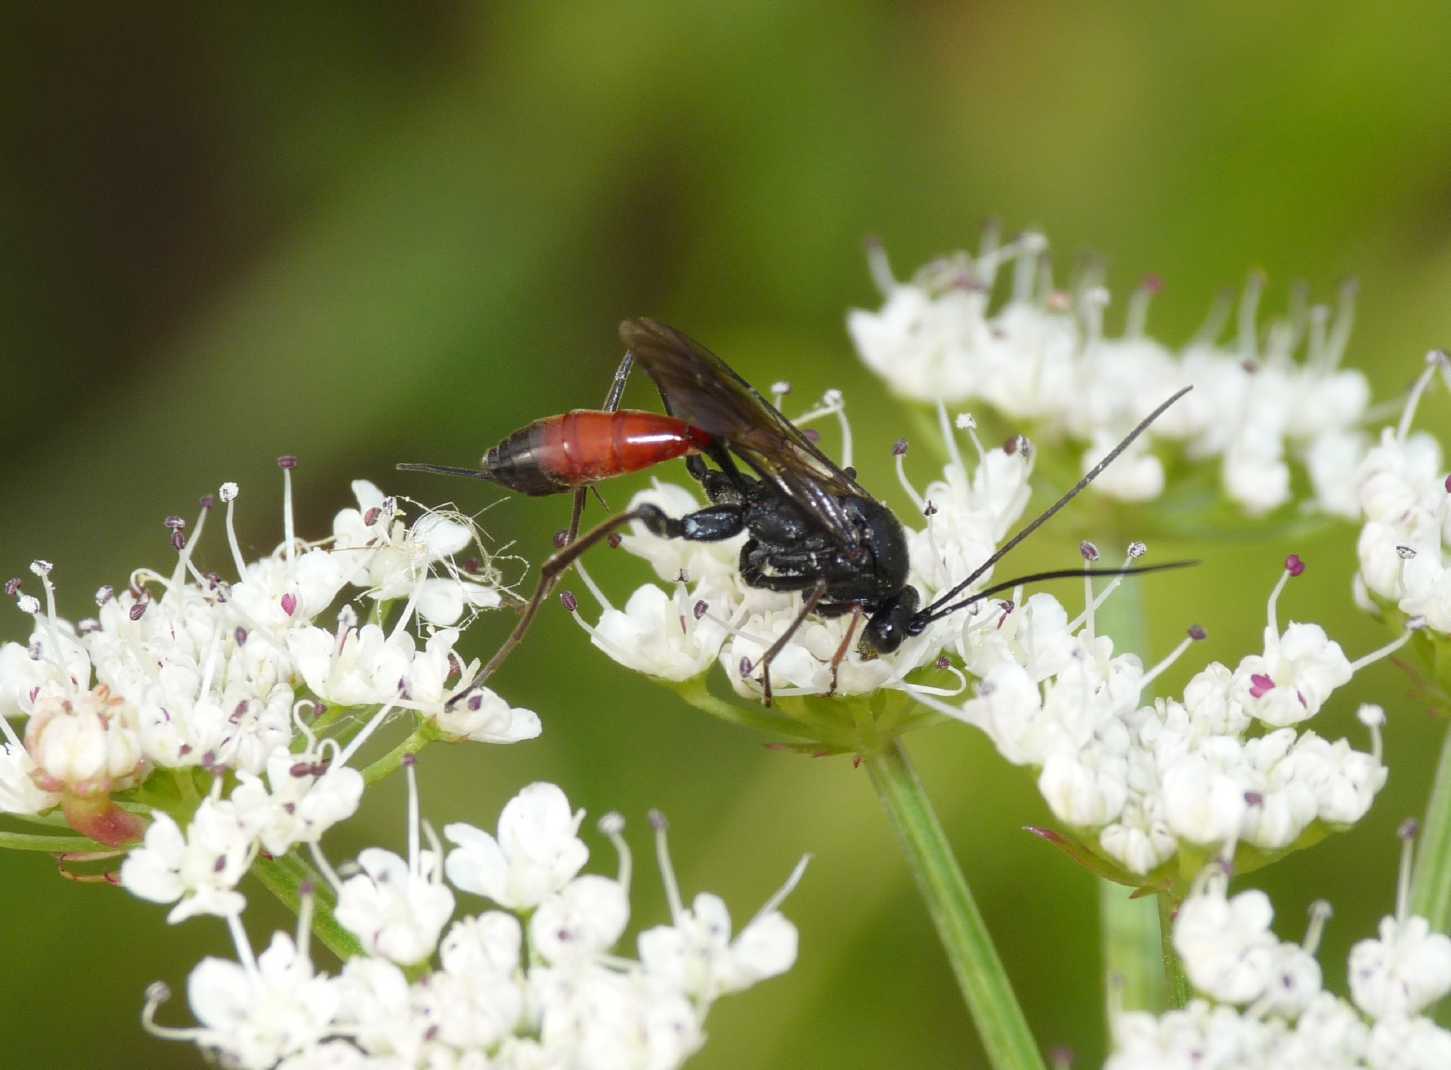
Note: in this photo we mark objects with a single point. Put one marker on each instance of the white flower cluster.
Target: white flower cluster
(1404, 498)
(712, 615)
(1040, 355)
(1138, 783)
(189, 676)
(1260, 1002)
(531, 984)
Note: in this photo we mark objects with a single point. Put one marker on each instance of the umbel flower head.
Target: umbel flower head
(1404, 500)
(241, 694)
(532, 981)
(1041, 357)
(1260, 1002)
(1144, 790)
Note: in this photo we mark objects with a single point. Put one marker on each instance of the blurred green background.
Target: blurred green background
(379, 233)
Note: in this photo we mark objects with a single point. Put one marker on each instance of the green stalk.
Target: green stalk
(390, 763)
(1132, 947)
(975, 962)
(1135, 952)
(284, 877)
(1174, 978)
(1431, 881)
(31, 841)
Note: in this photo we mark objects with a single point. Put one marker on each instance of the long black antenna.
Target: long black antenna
(931, 611)
(930, 615)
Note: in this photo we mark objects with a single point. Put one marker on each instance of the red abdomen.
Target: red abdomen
(583, 446)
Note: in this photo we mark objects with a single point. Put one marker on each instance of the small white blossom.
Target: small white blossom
(536, 854)
(357, 667)
(303, 797)
(1226, 944)
(396, 909)
(198, 869)
(1404, 971)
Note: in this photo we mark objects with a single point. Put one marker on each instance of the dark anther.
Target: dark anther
(207, 501)
(899, 448)
(561, 539)
(701, 608)
(745, 667)
(287, 461)
(614, 540)
(135, 612)
(571, 603)
(174, 523)
(1197, 633)
(12, 586)
(1294, 565)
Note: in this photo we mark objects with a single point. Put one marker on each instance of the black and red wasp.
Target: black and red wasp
(811, 526)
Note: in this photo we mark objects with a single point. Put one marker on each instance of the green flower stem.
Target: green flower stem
(960, 926)
(391, 762)
(1431, 881)
(53, 820)
(1134, 952)
(30, 841)
(186, 786)
(284, 877)
(1174, 977)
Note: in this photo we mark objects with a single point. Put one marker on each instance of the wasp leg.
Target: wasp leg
(840, 655)
(576, 511)
(808, 604)
(705, 525)
(612, 403)
(68, 858)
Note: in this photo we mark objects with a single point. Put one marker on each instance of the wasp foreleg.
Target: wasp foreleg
(808, 604)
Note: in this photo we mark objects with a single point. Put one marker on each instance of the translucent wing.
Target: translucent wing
(701, 389)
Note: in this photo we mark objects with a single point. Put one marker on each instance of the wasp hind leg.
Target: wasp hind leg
(705, 525)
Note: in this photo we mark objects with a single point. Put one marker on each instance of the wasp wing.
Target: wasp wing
(701, 389)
